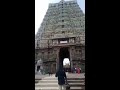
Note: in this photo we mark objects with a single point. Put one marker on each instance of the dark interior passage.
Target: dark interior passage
(64, 53)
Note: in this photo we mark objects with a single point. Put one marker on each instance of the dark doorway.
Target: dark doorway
(64, 53)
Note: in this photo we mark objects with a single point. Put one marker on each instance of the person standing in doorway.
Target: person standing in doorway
(62, 79)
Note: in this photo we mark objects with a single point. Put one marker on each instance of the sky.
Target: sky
(41, 7)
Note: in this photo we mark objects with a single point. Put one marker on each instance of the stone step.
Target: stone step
(55, 81)
(75, 78)
(77, 88)
(37, 78)
(52, 78)
(46, 88)
(51, 83)
(57, 88)
(76, 81)
(36, 81)
(56, 84)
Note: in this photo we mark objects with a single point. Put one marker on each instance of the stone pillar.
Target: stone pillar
(57, 59)
(56, 64)
(71, 51)
(35, 69)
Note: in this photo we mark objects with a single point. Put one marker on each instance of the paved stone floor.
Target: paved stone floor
(69, 75)
(75, 75)
(40, 76)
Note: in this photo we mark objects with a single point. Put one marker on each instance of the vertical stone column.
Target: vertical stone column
(35, 69)
(71, 51)
(57, 59)
(56, 64)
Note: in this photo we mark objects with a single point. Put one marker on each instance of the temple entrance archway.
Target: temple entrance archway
(63, 53)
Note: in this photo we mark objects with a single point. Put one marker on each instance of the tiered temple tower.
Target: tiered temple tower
(61, 35)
